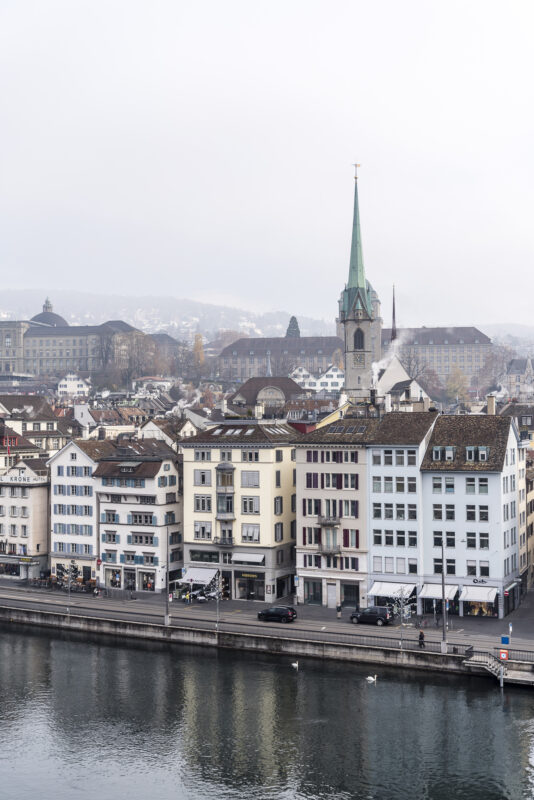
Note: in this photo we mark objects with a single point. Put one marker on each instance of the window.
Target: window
(437, 512)
(250, 505)
(377, 510)
(377, 563)
(412, 511)
(250, 479)
(202, 477)
(279, 455)
(278, 505)
(449, 512)
(438, 566)
(388, 510)
(377, 537)
(483, 513)
(389, 564)
(226, 455)
(412, 485)
(399, 458)
(277, 479)
(450, 539)
(388, 457)
(450, 566)
(483, 541)
(388, 538)
(412, 538)
(202, 455)
(412, 566)
(470, 485)
(278, 531)
(471, 540)
(470, 513)
(438, 538)
(377, 483)
(483, 485)
(400, 511)
(484, 569)
(250, 455)
(72, 455)
(202, 502)
(471, 568)
(399, 485)
(401, 538)
(358, 339)
(412, 458)
(250, 533)
(202, 530)
(388, 485)
(449, 485)
(376, 456)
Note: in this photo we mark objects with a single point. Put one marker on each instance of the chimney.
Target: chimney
(426, 403)
(490, 399)
(373, 397)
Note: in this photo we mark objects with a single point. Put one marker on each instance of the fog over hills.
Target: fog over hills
(178, 317)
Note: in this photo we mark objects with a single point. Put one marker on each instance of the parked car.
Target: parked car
(374, 615)
(278, 614)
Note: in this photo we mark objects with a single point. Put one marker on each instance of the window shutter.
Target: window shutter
(117, 538)
(319, 534)
(357, 541)
(129, 538)
(322, 480)
(129, 519)
(55, 508)
(303, 506)
(156, 541)
(121, 558)
(356, 560)
(102, 517)
(55, 527)
(156, 561)
(357, 481)
(345, 537)
(55, 488)
(103, 537)
(339, 479)
(322, 456)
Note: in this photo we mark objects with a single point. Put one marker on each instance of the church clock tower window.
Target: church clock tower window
(359, 340)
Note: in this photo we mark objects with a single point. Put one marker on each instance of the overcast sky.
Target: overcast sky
(204, 150)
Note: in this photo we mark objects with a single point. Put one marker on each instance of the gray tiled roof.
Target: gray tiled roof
(465, 431)
(436, 336)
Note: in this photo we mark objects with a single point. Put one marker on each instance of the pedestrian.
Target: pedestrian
(421, 640)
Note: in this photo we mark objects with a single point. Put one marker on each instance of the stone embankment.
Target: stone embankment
(382, 653)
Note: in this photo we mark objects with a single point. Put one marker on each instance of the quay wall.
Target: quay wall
(520, 672)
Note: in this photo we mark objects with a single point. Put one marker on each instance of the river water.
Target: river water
(97, 719)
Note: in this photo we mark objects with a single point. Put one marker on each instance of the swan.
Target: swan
(370, 679)
(295, 664)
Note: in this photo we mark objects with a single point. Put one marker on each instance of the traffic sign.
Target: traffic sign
(503, 654)
(296, 580)
(505, 640)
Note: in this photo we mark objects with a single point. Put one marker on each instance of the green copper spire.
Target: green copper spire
(356, 270)
(356, 293)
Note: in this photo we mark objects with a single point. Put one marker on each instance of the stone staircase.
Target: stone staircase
(487, 661)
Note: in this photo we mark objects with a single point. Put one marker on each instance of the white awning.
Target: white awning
(250, 558)
(479, 594)
(200, 575)
(432, 591)
(386, 589)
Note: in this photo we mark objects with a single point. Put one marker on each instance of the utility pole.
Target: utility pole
(167, 619)
(443, 605)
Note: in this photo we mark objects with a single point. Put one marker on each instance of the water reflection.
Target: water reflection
(95, 717)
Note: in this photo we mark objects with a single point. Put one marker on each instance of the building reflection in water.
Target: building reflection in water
(197, 718)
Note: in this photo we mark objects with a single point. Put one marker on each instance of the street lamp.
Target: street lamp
(69, 575)
(443, 605)
(167, 618)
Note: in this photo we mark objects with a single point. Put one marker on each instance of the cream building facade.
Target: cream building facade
(239, 508)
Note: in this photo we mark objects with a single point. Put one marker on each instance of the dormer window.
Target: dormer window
(469, 453)
(449, 454)
(436, 454)
(483, 453)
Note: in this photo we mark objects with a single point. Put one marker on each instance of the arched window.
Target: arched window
(358, 339)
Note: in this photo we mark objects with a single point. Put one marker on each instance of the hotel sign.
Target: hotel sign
(22, 479)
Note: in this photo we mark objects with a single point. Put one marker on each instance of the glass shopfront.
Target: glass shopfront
(9, 569)
(146, 581)
(313, 592)
(433, 606)
(475, 609)
(350, 594)
(249, 585)
(112, 578)
(129, 580)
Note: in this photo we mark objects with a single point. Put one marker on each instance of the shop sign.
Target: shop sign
(22, 479)
(249, 575)
(479, 580)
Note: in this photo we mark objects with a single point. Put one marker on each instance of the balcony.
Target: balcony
(225, 489)
(328, 522)
(329, 549)
(224, 541)
(225, 516)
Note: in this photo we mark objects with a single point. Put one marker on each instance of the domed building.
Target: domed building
(47, 317)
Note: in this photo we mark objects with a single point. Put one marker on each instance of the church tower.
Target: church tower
(359, 322)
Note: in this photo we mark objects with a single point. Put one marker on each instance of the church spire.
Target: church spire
(356, 270)
(393, 321)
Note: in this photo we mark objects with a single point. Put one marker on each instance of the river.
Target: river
(92, 718)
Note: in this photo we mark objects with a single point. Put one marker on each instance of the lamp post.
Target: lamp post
(443, 605)
(69, 575)
(167, 618)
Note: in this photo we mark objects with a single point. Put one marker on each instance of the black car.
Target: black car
(374, 615)
(278, 614)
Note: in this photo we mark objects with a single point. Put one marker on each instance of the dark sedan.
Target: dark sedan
(278, 614)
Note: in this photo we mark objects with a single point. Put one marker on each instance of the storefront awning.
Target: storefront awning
(200, 575)
(478, 594)
(386, 589)
(432, 591)
(511, 586)
(249, 558)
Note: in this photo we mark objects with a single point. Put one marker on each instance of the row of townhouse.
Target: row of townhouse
(385, 507)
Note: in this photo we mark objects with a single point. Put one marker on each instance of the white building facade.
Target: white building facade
(24, 508)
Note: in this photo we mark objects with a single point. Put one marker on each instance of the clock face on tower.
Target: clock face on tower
(358, 359)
